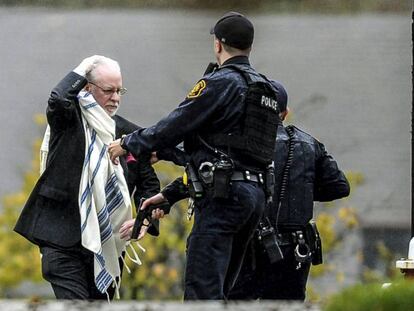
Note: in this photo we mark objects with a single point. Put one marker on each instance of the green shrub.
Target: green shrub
(372, 297)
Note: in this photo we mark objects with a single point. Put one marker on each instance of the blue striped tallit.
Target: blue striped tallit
(104, 202)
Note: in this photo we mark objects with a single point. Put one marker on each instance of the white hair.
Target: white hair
(103, 61)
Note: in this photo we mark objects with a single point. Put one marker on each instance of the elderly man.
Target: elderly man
(81, 199)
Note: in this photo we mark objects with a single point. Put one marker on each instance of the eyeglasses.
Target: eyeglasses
(121, 91)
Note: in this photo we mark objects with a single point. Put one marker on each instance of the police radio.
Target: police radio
(267, 237)
(195, 187)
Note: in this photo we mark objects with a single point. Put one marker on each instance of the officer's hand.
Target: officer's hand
(158, 198)
(115, 150)
(87, 65)
(157, 214)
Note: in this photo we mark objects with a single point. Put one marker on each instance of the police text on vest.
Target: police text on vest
(269, 103)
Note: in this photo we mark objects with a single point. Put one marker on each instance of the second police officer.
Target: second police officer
(227, 123)
(305, 172)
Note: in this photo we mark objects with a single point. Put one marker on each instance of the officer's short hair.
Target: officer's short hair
(231, 50)
(234, 30)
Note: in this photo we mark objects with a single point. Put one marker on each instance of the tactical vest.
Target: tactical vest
(256, 137)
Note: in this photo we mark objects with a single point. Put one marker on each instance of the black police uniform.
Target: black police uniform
(222, 227)
(313, 176)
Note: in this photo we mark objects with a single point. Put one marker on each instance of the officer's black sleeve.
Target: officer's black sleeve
(175, 191)
(189, 116)
(330, 181)
(175, 155)
(63, 100)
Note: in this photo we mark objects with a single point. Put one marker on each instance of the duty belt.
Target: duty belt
(286, 238)
(247, 176)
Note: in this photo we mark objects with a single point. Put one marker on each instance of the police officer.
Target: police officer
(227, 123)
(305, 172)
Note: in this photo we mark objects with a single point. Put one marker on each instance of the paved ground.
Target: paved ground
(155, 306)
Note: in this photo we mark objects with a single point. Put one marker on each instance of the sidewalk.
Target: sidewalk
(53, 305)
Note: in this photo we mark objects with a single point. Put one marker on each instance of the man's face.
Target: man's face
(105, 88)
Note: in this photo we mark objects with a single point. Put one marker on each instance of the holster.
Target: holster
(221, 181)
(314, 241)
(216, 177)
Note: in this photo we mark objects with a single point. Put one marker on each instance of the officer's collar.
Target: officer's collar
(241, 59)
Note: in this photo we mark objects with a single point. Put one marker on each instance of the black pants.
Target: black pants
(70, 271)
(259, 279)
(218, 241)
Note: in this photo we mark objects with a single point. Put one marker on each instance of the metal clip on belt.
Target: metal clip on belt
(247, 176)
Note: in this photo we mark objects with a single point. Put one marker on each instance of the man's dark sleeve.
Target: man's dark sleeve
(141, 174)
(142, 177)
(175, 191)
(330, 181)
(63, 100)
(146, 181)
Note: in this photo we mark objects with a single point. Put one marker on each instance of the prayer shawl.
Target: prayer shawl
(104, 201)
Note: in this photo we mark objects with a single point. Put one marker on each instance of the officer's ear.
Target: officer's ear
(283, 114)
(218, 47)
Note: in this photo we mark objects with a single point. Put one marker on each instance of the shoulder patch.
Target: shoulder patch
(197, 89)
